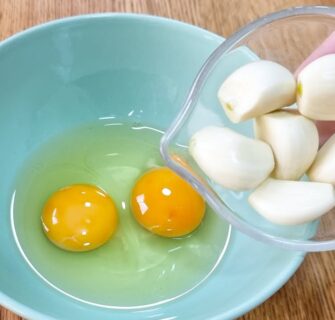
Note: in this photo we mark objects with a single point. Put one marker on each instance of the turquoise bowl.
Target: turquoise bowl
(68, 72)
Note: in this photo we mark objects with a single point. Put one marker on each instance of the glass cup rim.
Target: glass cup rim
(209, 195)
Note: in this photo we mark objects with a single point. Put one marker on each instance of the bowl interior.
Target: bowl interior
(59, 75)
(286, 37)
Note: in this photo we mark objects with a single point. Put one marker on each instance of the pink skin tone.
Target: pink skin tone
(326, 128)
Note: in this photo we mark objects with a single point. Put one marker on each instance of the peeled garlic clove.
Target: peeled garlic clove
(323, 168)
(292, 202)
(316, 89)
(255, 89)
(230, 159)
(294, 141)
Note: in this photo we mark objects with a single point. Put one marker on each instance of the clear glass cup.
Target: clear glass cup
(287, 37)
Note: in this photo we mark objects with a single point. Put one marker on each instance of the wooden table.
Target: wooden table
(310, 294)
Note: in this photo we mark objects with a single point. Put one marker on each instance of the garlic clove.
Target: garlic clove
(255, 89)
(292, 202)
(316, 89)
(230, 159)
(323, 168)
(294, 141)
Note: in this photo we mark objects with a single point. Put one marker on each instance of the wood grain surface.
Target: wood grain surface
(310, 294)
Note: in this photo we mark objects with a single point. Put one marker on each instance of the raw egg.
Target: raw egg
(165, 204)
(79, 217)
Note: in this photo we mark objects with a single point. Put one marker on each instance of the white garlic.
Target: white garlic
(294, 141)
(230, 159)
(316, 89)
(255, 89)
(292, 202)
(323, 168)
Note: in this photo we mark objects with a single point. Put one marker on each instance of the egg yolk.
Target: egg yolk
(165, 204)
(79, 217)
